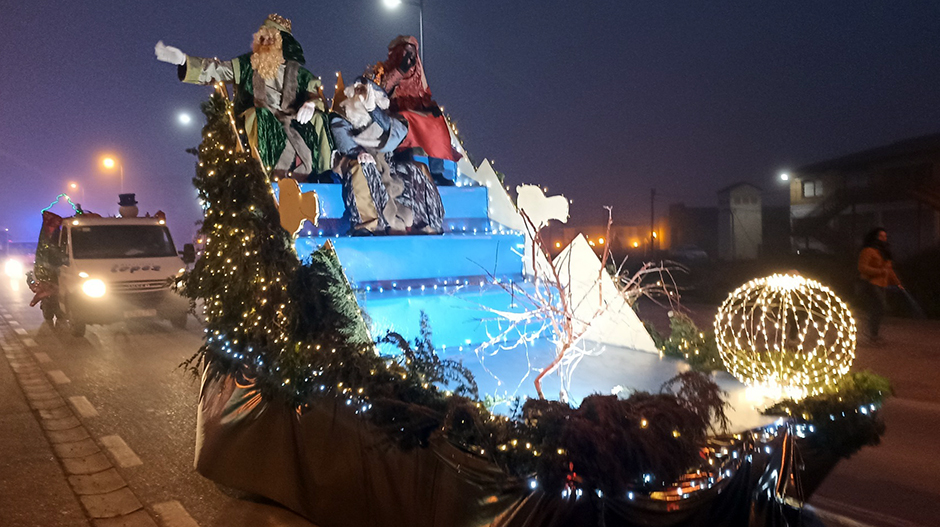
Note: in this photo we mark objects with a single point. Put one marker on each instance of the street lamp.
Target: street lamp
(784, 176)
(73, 186)
(184, 118)
(392, 4)
(109, 163)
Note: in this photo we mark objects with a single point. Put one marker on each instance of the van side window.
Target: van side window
(62, 235)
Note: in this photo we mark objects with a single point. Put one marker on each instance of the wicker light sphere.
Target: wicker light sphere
(787, 334)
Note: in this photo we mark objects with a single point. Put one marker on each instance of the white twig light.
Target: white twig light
(787, 334)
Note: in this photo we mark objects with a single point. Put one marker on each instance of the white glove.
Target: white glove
(305, 113)
(369, 100)
(169, 54)
(365, 158)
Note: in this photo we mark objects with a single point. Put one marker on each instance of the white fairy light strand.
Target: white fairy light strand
(786, 333)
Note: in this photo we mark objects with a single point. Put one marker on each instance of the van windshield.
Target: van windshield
(121, 241)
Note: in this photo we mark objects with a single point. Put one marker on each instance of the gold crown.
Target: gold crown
(279, 20)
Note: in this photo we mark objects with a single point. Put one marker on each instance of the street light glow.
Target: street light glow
(391, 4)
(73, 186)
(185, 118)
(109, 163)
(784, 176)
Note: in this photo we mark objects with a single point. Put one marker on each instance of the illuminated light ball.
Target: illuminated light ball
(785, 336)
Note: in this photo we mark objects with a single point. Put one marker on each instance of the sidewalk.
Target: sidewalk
(53, 472)
(33, 488)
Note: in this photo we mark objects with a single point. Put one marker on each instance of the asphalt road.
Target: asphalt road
(130, 374)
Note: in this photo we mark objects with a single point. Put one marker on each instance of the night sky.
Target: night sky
(598, 100)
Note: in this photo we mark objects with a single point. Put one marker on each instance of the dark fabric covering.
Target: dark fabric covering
(333, 467)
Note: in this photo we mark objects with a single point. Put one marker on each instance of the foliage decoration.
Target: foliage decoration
(845, 415)
(689, 343)
(423, 362)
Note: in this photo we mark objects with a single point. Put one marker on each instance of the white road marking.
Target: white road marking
(42, 357)
(122, 454)
(20, 331)
(173, 514)
(58, 377)
(30, 343)
(83, 407)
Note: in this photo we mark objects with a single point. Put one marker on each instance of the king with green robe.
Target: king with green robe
(278, 103)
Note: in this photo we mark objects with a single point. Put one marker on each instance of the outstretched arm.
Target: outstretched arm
(197, 70)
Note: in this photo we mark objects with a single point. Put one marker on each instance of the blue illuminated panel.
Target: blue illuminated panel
(390, 258)
(459, 316)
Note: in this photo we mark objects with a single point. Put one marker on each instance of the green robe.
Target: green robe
(276, 138)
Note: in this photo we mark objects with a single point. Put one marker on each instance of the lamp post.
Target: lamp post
(109, 163)
(392, 4)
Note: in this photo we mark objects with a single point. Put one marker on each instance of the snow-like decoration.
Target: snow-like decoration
(501, 208)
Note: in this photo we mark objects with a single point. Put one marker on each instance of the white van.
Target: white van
(114, 269)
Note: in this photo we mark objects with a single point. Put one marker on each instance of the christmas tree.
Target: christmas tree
(263, 308)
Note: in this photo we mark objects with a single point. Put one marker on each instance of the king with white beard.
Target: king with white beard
(383, 194)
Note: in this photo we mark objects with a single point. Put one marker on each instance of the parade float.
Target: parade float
(361, 324)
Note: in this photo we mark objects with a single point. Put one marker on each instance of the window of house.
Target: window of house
(812, 188)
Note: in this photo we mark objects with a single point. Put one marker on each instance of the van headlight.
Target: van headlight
(13, 268)
(94, 288)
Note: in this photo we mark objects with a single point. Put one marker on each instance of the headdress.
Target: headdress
(289, 45)
(277, 21)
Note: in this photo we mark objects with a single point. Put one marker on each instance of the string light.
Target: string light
(785, 335)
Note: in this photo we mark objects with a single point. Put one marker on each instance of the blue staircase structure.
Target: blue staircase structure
(448, 276)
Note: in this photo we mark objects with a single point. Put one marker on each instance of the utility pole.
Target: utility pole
(652, 246)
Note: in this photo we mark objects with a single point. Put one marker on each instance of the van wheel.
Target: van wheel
(48, 311)
(179, 321)
(76, 328)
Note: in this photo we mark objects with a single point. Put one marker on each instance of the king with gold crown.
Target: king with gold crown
(278, 103)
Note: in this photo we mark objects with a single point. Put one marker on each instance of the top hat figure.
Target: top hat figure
(128, 206)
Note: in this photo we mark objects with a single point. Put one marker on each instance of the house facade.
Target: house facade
(740, 222)
(834, 203)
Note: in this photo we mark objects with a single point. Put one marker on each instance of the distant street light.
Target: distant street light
(185, 119)
(73, 186)
(784, 176)
(392, 4)
(110, 163)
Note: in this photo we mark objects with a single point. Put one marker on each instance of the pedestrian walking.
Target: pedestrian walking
(877, 274)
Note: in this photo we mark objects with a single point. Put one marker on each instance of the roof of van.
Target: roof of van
(91, 220)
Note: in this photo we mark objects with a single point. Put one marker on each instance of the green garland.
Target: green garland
(845, 416)
(688, 343)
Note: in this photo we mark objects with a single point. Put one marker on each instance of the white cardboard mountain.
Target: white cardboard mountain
(501, 208)
(590, 290)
